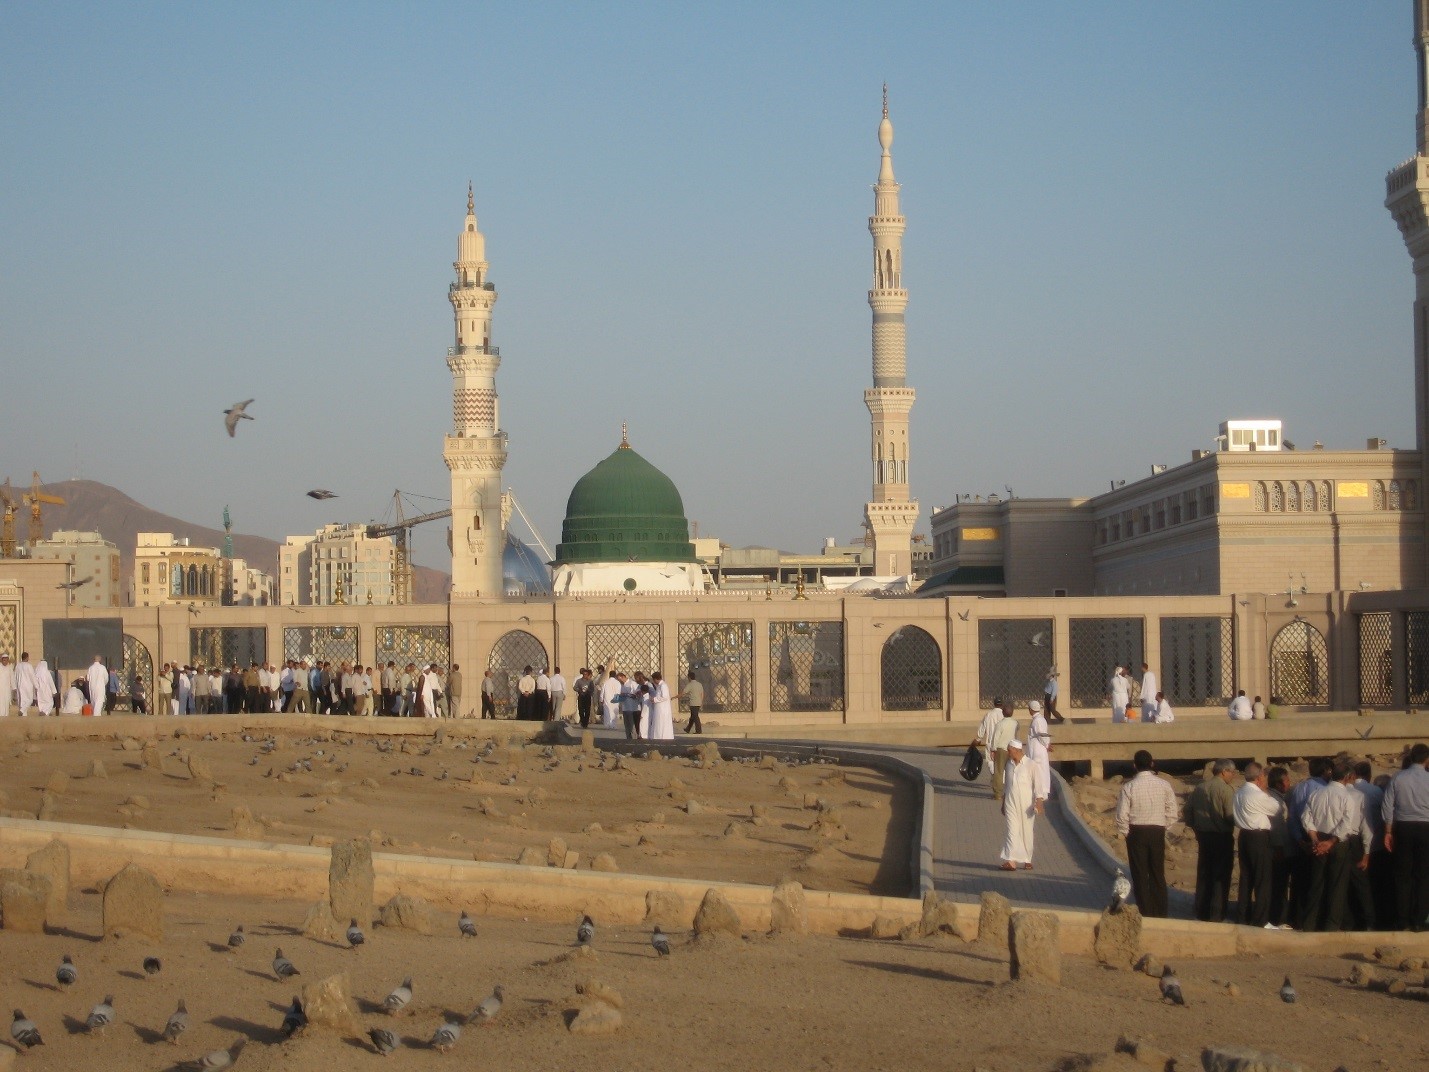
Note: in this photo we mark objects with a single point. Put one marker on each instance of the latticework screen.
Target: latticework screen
(336, 644)
(225, 645)
(1014, 655)
(911, 671)
(629, 647)
(1197, 661)
(721, 656)
(1376, 659)
(1299, 665)
(137, 660)
(511, 654)
(1098, 647)
(806, 666)
(419, 644)
(1416, 655)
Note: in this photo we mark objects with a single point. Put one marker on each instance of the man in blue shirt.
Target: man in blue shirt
(1299, 841)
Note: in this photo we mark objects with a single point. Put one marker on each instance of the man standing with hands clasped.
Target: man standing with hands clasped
(1145, 807)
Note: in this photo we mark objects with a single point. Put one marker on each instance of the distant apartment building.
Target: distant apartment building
(168, 569)
(95, 561)
(249, 587)
(336, 564)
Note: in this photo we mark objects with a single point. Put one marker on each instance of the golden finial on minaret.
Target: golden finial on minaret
(471, 200)
(624, 438)
(885, 100)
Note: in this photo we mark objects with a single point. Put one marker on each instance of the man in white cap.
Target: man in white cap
(1024, 791)
(7, 684)
(993, 732)
(1120, 690)
(1039, 742)
(1148, 693)
(98, 677)
(25, 684)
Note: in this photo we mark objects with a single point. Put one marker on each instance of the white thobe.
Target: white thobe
(662, 718)
(74, 701)
(44, 688)
(1164, 712)
(25, 686)
(98, 677)
(1148, 696)
(429, 694)
(610, 703)
(7, 688)
(1120, 689)
(1021, 786)
(1039, 740)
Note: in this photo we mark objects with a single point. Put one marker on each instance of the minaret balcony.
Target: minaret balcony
(1405, 175)
(471, 285)
(458, 351)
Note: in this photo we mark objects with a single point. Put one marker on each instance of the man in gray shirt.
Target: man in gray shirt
(694, 696)
(1406, 836)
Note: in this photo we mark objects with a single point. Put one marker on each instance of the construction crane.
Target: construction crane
(7, 539)
(35, 496)
(399, 530)
(510, 502)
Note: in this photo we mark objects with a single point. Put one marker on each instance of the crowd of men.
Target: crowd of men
(312, 686)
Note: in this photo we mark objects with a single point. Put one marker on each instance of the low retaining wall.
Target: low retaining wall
(144, 727)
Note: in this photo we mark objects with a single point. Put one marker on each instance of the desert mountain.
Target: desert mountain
(95, 507)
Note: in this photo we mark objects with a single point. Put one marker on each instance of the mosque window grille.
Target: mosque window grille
(1014, 655)
(1277, 497)
(1261, 497)
(1308, 499)
(1411, 495)
(634, 646)
(226, 645)
(911, 671)
(1395, 496)
(510, 655)
(137, 662)
(721, 656)
(10, 630)
(1416, 656)
(1376, 658)
(806, 666)
(419, 644)
(1292, 497)
(1300, 665)
(1324, 497)
(1198, 660)
(1377, 495)
(321, 643)
(1097, 647)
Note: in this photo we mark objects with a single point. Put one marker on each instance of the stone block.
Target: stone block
(571, 861)
(96, 769)
(716, 916)
(532, 857)
(350, 880)
(597, 1018)
(199, 770)
(885, 927)
(788, 909)
(994, 911)
(134, 904)
(22, 906)
(150, 757)
(940, 916)
(587, 740)
(1227, 1059)
(52, 861)
(328, 1003)
(57, 782)
(321, 925)
(664, 909)
(604, 862)
(556, 853)
(49, 807)
(1118, 937)
(410, 914)
(1033, 943)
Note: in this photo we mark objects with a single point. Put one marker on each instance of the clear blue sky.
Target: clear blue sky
(1127, 221)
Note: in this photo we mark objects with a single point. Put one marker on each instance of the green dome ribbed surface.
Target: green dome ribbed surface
(625, 510)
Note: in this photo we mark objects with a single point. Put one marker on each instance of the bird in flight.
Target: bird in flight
(72, 585)
(232, 416)
(322, 493)
(1036, 639)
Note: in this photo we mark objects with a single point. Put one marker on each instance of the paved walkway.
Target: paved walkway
(967, 833)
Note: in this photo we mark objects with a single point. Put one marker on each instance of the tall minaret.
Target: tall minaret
(475, 452)
(891, 515)
(1407, 198)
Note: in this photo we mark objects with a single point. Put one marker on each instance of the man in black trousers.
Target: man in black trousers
(1145, 807)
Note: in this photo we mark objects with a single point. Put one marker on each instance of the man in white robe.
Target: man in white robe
(1023, 794)
(1148, 693)
(662, 715)
(610, 701)
(7, 684)
(25, 684)
(44, 688)
(1039, 742)
(1163, 709)
(1120, 689)
(431, 689)
(98, 677)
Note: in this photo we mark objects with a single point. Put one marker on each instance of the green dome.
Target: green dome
(625, 510)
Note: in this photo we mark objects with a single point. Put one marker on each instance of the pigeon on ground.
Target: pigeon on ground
(153, 965)
(396, 1001)
(355, 937)
(101, 1016)
(1120, 891)
(489, 1007)
(283, 967)
(1171, 987)
(24, 1032)
(178, 1023)
(661, 941)
(294, 1019)
(66, 974)
(466, 925)
(383, 1041)
(322, 493)
(1287, 992)
(72, 585)
(445, 1037)
(237, 938)
(234, 414)
(218, 1059)
(585, 933)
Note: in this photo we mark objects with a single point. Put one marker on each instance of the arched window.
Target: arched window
(1394, 496)
(911, 671)
(191, 581)
(1277, 497)
(1261, 498)
(1308, 496)
(1292, 501)
(512, 653)
(1324, 495)
(1300, 665)
(888, 269)
(1377, 495)
(1411, 495)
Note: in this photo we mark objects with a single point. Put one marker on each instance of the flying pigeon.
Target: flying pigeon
(661, 941)
(66, 973)
(283, 967)
(585, 933)
(24, 1032)
(1365, 735)
(1171, 987)
(489, 1007)
(101, 1016)
(355, 937)
(963, 615)
(294, 1019)
(72, 585)
(1287, 992)
(445, 1037)
(1037, 638)
(237, 938)
(322, 493)
(466, 925)
(218, 1059)
(383, 1041)
(1120, 891)
(231, 417)
(399, 998)
(153, 965)
(178, 1023)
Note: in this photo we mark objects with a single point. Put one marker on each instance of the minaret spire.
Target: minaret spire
(891, 515)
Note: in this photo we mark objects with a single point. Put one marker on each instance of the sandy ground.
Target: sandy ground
(523, 798)
(815, 1003)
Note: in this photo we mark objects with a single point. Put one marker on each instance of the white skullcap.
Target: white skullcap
(1015, 743)
(1035, 705)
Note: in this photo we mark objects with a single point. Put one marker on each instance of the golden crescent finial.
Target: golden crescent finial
(471, 200)
(885, 100)
(624, 438)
